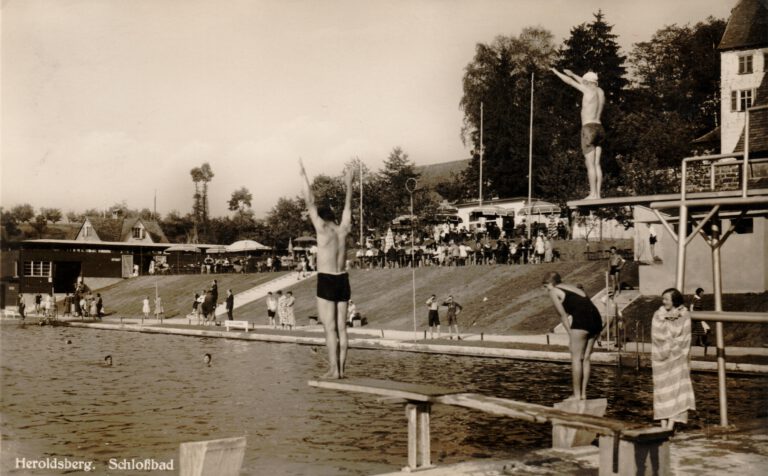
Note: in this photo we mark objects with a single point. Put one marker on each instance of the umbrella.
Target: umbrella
(246, 245)
(216, 249)
(403, 219)
(181, 247)
(303, 239)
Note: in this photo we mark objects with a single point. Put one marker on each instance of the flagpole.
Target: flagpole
(530, 159)
(361, 201)
(480, 202)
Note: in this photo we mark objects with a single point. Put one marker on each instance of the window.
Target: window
(745, 64)
(138, 232)
(37, 269)
(87, 231)
(742, 100)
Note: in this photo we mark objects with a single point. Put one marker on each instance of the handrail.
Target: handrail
(731, 316)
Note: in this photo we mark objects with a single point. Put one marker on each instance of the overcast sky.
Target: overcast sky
(105, 101)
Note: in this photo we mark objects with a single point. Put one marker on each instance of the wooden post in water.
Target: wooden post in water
(418, 415)
(212, 458)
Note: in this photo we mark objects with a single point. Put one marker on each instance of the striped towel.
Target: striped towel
(670, 360)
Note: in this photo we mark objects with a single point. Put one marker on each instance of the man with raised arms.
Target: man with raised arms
(592, 132)
(333, 291)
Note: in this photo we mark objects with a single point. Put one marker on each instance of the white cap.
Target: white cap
(590, 76)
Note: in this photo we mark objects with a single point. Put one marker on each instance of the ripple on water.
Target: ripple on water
(57, 399)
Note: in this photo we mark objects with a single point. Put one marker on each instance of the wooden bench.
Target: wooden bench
(625, 448)
(238, 325)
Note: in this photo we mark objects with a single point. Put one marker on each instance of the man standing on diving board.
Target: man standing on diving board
(592, 132)
(333, 290)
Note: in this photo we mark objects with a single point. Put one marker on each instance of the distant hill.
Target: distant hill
(433, 174)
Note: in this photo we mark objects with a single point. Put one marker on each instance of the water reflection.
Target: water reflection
(59, 400)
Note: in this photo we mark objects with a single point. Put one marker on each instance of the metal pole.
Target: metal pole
(682, 234)
(361, 201)
(718, 291)
(411, 189)
(530, 158)
(482, 151)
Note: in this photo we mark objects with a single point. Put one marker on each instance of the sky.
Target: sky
(110, 101)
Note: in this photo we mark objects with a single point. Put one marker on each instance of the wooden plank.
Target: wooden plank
(708, 202)
(424, 443)
(731, 316)
(535, 413)
(386, 388)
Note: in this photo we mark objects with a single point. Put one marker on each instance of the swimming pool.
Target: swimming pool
(57, 400)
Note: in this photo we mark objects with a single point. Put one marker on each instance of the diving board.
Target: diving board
(690, 199)
(625, 448)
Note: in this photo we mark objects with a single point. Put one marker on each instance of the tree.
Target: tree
(201, 176)
(678, 70)
(240, 200)
(590, 47)
(500, 77)
(23, 213)
(53, 215)
(40, 224)
(177, 228)
(74, 217)
(287, 219)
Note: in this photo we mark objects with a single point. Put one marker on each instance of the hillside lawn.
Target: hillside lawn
(515, 304)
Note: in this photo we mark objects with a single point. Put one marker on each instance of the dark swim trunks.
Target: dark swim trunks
(333, 287)
(614, 270)
(434, 318)
(592, 135)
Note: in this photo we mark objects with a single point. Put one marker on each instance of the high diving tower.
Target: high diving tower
(699, 208)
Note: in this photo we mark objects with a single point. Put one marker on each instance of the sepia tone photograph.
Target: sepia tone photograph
(445, 237)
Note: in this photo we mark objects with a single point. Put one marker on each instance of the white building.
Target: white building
(743, 64)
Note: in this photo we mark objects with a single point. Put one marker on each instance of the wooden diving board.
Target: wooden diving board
(663, 197)
(741, 202)
(627, 445)
(413, 392)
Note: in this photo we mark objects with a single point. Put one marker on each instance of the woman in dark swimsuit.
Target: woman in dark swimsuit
(584, 328)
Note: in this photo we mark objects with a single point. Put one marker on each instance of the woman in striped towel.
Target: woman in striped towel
(670, 358)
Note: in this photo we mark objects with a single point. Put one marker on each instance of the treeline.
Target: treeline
(384, 195)
(659, 98)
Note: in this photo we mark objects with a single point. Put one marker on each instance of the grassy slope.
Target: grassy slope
(177, 292)
(516, 302)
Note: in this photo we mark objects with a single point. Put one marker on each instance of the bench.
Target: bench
(625, 448)
(246, 325)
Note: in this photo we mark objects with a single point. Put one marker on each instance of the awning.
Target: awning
(540, 207)
(182, 248)
(493, 211)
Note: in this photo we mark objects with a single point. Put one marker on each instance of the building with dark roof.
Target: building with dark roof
(743, 66)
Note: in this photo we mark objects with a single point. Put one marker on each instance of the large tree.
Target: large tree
(557, 124)
(201, 176)
(678, 71)
(287, 219)
(499, 77)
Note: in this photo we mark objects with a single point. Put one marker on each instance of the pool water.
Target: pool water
(57, 400)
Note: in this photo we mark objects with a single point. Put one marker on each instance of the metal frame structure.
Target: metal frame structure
(743, 202)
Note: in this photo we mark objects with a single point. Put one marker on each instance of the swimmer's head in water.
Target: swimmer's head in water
(108, 360)
(207, 358)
